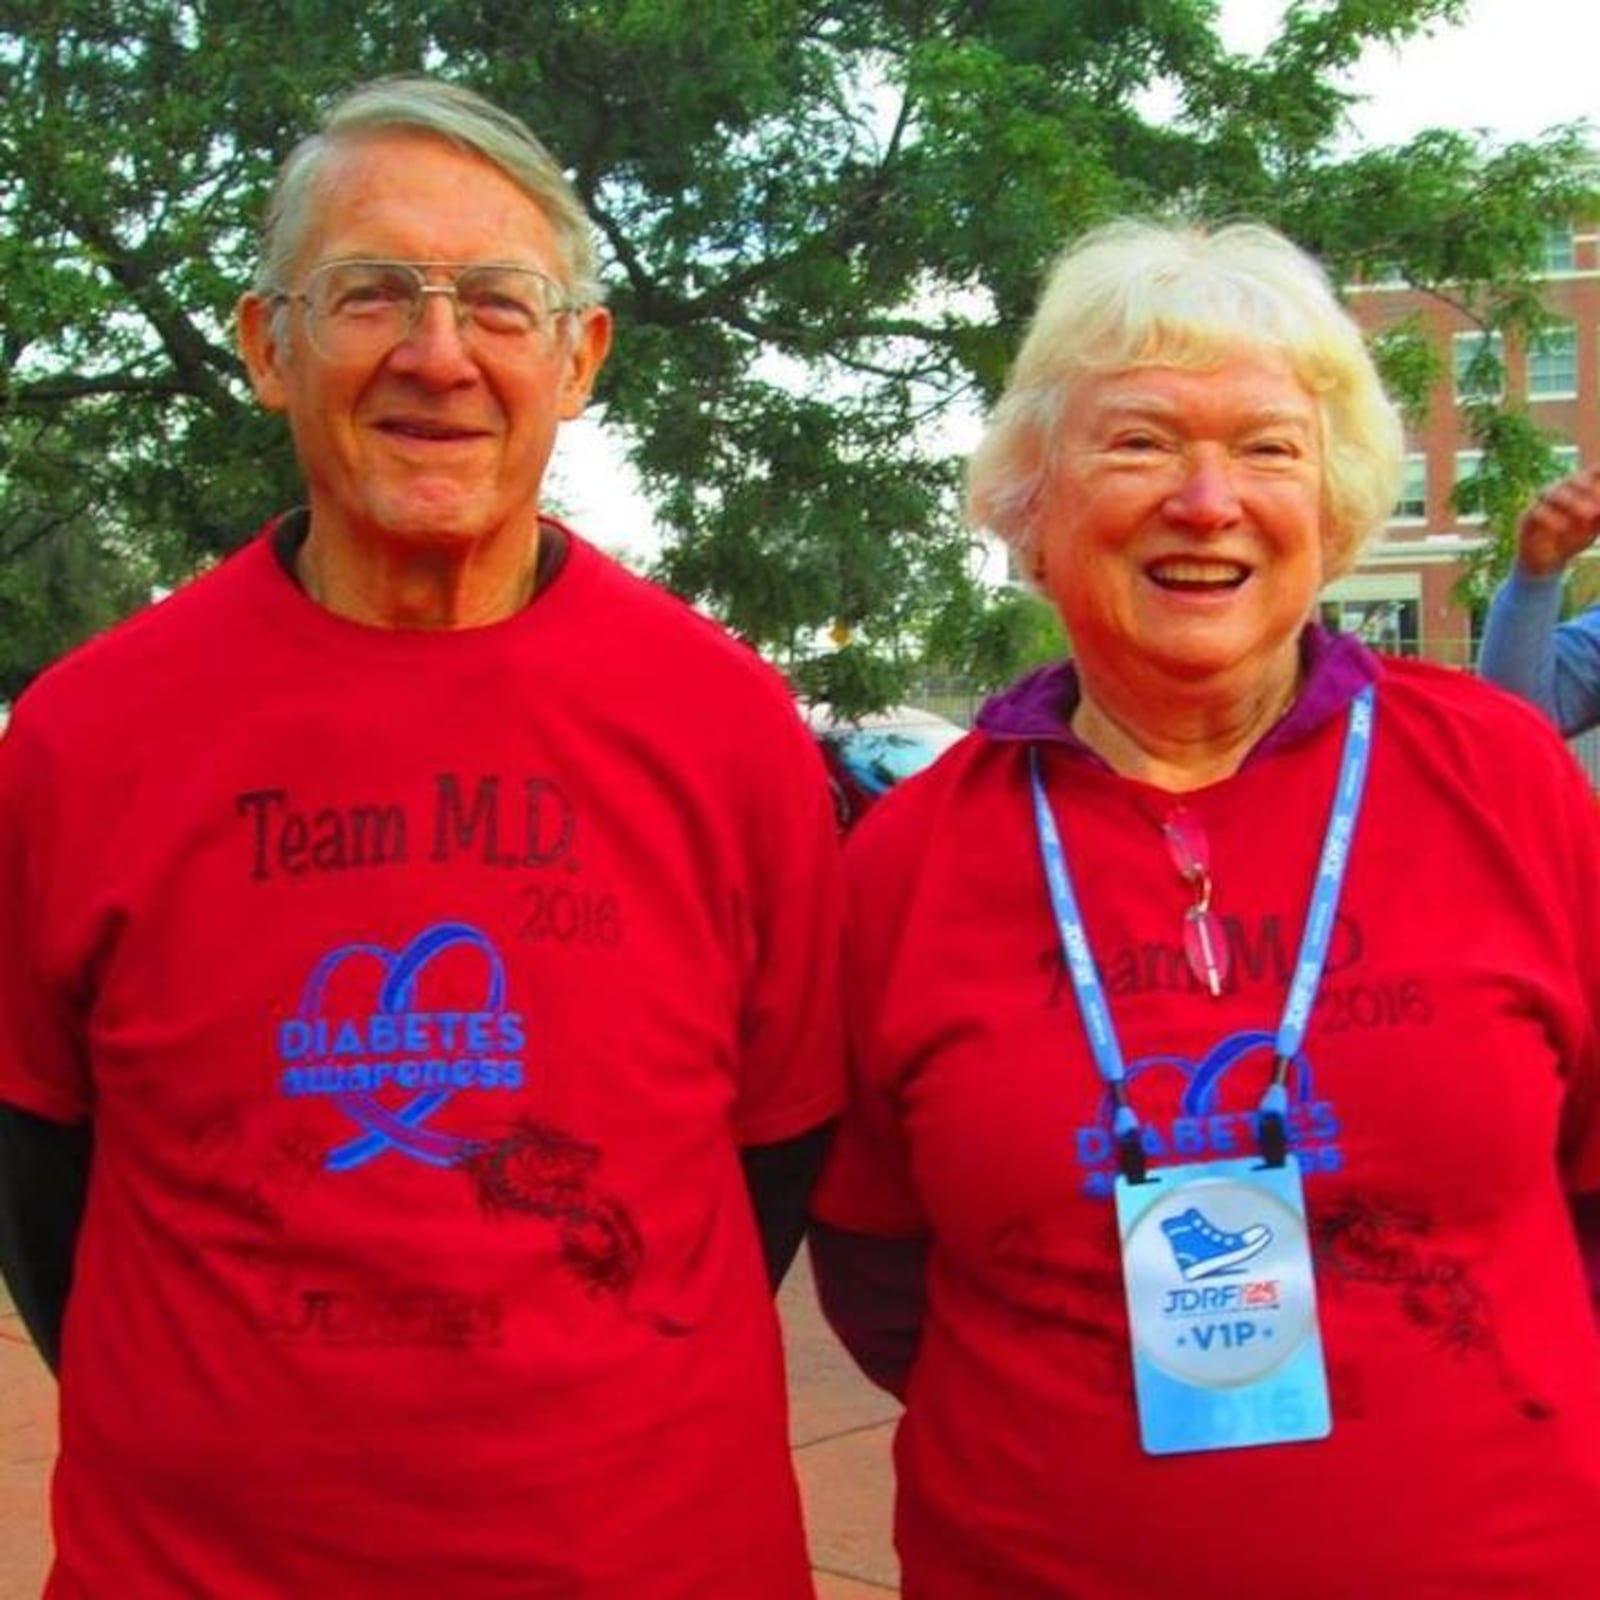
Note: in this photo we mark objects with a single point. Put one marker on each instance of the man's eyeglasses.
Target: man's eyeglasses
(363, 309)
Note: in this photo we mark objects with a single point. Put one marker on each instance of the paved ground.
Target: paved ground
(841, 1427)
(840, 1423)
(27, 1445)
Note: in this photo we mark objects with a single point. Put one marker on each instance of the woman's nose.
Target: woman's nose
(1205, 495)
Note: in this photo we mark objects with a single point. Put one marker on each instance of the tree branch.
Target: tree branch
(54, 391)
(193, 356)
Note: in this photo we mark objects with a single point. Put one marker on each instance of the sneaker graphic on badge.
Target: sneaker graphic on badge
(1203, 1250)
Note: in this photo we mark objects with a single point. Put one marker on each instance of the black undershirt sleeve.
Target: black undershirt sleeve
(873, 1291)
(1585, 1209)
(44, 1177)
(780, 1178)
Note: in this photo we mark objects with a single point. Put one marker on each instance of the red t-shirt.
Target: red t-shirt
(1446, 1098)
(421, 988)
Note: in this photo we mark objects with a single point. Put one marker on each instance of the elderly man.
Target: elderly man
(417, 973)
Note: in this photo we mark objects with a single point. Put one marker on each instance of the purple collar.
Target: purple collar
(1334, 668)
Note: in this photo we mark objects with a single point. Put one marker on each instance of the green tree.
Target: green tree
(825, 223)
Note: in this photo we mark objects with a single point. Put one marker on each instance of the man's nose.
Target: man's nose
(436, 344)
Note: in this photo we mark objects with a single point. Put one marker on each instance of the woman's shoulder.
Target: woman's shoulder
(1427, 693)
(1498, 754)
(953, 796)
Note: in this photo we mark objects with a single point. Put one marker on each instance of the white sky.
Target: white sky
(1513, 68)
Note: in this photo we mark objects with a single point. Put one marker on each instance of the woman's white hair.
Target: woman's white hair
(412, 103)
(1141, 294)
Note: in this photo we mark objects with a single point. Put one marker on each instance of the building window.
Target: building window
(1480, 366)
(1566, 463)
(1553, 363)
(1390, 624)
(1557, 254)
(1412, 506)
(1468, 465)
(1383, 608)
(1470, 462)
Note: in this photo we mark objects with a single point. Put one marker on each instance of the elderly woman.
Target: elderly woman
(1224, 1015)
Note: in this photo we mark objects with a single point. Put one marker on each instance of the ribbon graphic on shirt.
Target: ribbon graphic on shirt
(1201, 1126)
(400, 1044)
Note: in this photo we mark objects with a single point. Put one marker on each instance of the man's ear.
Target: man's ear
(585, 357)
(255, 322)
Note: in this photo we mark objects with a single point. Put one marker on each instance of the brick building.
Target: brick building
(1401, 597)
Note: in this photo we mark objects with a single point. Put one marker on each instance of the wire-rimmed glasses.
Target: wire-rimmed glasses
(1205, 940)
(363, 309)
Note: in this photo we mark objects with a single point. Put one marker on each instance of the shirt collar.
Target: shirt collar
(1334, 668)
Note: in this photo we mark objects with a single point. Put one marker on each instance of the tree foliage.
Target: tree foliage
(825, 223)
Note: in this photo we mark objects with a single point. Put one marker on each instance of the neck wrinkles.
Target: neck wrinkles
(419, 589)
(1186, 739)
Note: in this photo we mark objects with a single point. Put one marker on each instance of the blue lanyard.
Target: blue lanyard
(1091, 996)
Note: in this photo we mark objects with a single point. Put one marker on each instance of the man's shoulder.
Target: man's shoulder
(175, 640)
(667, 637)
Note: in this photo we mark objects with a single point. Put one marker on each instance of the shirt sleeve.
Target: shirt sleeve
(779, 1178)
(42, 1061)
(1573, 817)
(792, 1031)
(874, 1295)
(1586, 1224)
(870, 1236)
(867, 1185)
(1553, 664)
(44, 1182)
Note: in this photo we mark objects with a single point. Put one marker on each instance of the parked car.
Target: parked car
(867, 756)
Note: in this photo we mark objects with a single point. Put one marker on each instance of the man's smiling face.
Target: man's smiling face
(442, 440)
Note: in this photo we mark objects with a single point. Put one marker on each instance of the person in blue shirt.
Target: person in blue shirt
(1526, 649)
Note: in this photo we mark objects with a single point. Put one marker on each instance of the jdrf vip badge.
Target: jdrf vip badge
(1216, 1262)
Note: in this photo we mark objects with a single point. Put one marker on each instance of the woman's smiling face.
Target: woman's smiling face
(1180, 532)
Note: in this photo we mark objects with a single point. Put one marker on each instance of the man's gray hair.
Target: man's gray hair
(427, 105)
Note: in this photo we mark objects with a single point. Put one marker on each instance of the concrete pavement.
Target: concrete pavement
(27, 1447)
(841, 1428)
